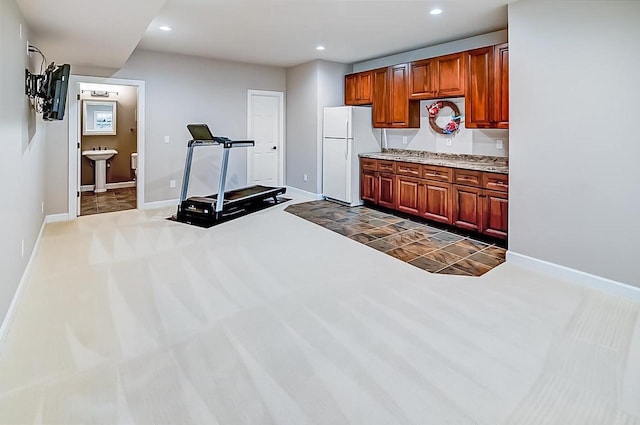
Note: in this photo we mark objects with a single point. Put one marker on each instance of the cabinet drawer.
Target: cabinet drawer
(493, 181)
(467, 177)
(433, 172)
(388, 166)
(368, 164)
(409, 169)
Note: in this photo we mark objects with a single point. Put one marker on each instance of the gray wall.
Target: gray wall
(574, 174)
(22, 162)
(489, 39)
(182, 90)
(310, 87)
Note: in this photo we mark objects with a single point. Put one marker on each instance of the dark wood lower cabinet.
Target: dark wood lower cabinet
(495, 214)
(467, 207)
(368, 186)
(436, 201)
(472, 200)
(386, 190)
(408, 195)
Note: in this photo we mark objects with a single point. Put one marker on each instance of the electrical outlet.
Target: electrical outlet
(449, 142)
(166, 139)
(404, 140)
(305, 177)
(172, 183)
(499, 144)
(42, 207)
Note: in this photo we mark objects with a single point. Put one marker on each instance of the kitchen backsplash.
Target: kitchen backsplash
(464, 141)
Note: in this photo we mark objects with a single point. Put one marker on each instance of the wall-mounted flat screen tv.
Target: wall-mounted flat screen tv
(56, 84)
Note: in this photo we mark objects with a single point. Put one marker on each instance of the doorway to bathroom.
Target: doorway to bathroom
(106, 134)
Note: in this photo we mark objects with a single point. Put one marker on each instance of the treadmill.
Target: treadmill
(222, 206)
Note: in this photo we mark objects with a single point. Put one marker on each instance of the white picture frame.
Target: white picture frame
(99, 117)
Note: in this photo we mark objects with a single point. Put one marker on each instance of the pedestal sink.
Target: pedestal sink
(99, 158)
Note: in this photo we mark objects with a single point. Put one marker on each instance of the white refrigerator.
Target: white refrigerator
(347, 132)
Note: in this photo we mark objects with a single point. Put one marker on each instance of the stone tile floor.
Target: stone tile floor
(110, 201)
(422, 245)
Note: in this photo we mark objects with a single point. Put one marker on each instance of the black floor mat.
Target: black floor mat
(239, 213)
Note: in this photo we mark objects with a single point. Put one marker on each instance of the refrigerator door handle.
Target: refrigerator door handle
(346, 136)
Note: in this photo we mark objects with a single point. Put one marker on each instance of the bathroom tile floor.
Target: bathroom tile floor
(422, 245)
(110, 201)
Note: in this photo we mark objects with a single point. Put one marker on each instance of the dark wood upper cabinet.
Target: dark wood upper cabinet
(421, 82)
(439, 77)
(391, 105)
(450, 75)
(501, 86)
(380, 97)
(358, 88)
(487, 98)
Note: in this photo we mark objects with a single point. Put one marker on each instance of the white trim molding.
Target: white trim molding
(575, 276)
(55, 218)
(117, 185)
(160, 204)
(8, 318)
(303, 193)
(74, 134)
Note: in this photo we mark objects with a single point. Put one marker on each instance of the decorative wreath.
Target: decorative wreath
(453, 125)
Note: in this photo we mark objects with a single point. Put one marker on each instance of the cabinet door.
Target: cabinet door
(478, 101)
(380, 98)
(399, 96)
(435, 201)
(350, 82)
(467, 208)
(501, 86)
(495, 214)
(368, 186)
(408, 194)
(450, 75)
(421, 80)
(363, 88)
(386, 190)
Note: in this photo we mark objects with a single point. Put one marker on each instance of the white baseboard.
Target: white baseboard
(54, 218)
(8, 318)
(575, 276)
(160, 204)
(117, 185)
(303, 193)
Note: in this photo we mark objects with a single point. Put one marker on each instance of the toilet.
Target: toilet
(134, 164)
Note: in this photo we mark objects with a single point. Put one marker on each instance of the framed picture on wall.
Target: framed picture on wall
(99, 117)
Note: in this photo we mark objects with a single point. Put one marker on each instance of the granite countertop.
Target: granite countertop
(494, 164)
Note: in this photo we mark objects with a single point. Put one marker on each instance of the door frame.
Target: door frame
(281, 148)
(75, 137)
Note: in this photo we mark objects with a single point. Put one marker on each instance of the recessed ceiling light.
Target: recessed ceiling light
(320, 48)
(436, 11)
(166, 28)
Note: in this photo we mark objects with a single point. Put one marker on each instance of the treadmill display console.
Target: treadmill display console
(200, 132)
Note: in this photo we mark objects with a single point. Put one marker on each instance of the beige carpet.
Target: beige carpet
(129, 318)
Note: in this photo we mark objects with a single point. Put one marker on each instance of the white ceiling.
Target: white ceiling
(270, 32)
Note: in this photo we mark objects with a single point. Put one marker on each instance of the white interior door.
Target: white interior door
(265, 125)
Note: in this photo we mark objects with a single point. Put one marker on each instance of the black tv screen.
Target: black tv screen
(56, 87)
